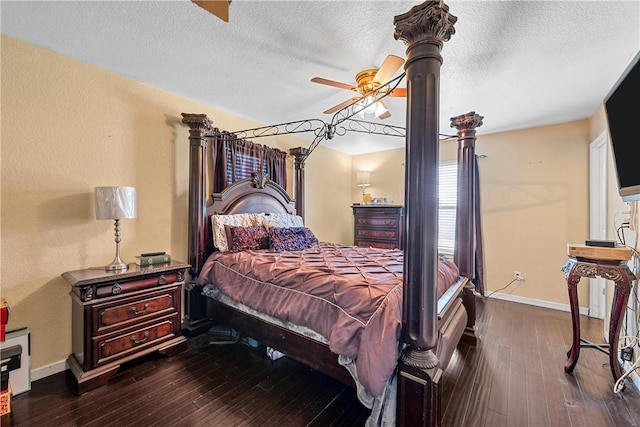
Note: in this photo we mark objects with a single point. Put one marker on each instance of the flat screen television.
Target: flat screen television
(622, 107)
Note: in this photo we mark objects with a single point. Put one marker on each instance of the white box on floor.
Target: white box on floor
(20, 379)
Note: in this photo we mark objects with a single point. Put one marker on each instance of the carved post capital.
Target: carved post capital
(430, 22)
(466, 125)
(299, 154)
(469, 121)
(197, 122)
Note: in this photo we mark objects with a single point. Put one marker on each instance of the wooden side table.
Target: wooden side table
(608, 263)
(119, 316)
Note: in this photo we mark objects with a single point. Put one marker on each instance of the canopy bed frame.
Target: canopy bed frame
(431, 326)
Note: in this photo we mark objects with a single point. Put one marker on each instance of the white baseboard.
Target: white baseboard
(538, 303)
(45, 371)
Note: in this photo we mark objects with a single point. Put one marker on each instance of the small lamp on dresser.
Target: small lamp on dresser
(364, 180)
(116, 203)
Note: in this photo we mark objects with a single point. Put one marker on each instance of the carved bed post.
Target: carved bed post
(300, 156)
(424, 29)
(195, 319)
(465, 213)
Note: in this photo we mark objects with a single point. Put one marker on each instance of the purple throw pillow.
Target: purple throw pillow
(246, 238)
(291, 238)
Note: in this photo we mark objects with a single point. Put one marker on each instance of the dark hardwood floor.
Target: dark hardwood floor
(514, 377)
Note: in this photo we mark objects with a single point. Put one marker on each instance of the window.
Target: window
(447, 199)
(242, 164)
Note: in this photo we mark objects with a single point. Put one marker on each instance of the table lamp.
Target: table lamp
(116, 203)
(364, 180)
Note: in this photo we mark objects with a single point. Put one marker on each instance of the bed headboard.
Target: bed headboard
(249, 195)
(252, 195)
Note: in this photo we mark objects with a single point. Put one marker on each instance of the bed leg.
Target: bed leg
(195, 321)
(418, 396)
(469, 302)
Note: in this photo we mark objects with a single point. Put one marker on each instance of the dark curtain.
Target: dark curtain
(234, 159)
(478, 280)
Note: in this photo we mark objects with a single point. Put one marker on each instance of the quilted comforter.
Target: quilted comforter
(352, 296)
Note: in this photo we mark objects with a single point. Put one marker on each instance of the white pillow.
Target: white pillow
(283, 220)
(219, 221)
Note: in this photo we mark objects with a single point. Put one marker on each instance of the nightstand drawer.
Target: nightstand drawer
(124, 287)
(133, 341)
(127, 312)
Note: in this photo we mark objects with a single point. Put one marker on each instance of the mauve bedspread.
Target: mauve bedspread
(350, 295)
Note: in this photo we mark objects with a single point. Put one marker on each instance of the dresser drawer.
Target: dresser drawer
(376, 244)
(123, 313)
(379, 222)
(377, 234)
(107, 349)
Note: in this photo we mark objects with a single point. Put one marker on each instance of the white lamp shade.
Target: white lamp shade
(371, 109)
(115, 202)
(363, 178)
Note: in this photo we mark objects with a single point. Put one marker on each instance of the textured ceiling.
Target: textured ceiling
(518, 63)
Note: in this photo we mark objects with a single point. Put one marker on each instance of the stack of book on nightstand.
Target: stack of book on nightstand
(151, 258)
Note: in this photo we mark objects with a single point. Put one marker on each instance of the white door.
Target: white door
(598, 216)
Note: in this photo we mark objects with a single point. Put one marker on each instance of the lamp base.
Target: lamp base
(117, 264)
(117, 267)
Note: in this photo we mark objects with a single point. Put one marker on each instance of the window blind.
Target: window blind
(447, 201)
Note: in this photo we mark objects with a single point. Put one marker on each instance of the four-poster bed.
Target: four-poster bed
(432, 322)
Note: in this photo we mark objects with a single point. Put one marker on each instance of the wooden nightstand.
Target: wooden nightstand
(378, 226)
(119, 316)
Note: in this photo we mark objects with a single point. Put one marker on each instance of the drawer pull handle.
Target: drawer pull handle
(138, 313)
(133, 339)
(162, 280)
(116, 289)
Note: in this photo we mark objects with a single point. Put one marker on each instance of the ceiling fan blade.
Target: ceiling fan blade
(399, 92)
(341, 105)
(219, 8)
(388, 68)
(333, 83)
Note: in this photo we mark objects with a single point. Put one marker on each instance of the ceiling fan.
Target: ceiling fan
(219, 8)
(370, 85)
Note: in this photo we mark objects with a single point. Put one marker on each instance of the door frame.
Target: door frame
(598, 150)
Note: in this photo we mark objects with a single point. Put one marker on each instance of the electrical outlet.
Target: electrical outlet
(518, 276)
(626, 354)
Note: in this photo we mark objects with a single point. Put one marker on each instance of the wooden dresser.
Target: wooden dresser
(378, 226)
(119, 316)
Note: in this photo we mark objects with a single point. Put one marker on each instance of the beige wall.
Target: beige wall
(534, 197)
(68, 127)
